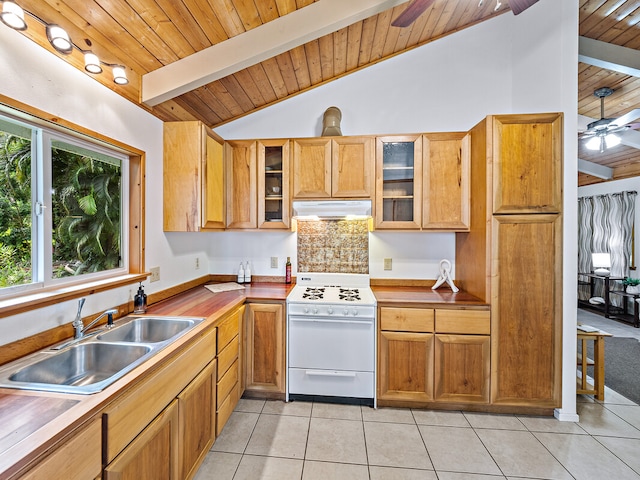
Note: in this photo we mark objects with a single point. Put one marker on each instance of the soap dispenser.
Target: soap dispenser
(140, 301)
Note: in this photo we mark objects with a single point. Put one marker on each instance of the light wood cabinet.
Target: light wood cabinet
(527, 159)
(241, 185)
(405, 366)
(193, 193)
(445, 181)
(398, 192)
(229, 386)
(273, 184)
(153, 454)
(512, 254)
(462, 356)
(326, 167)
(265, 353)
(78, 457)
(197, 420)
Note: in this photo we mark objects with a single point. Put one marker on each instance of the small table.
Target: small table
(597, 337)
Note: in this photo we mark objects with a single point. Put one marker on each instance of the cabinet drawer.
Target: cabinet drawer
(475, 322)
(227, 330)
(128, 416)
(226, 409)
(406, 319)
(226, 383)
(227, 356)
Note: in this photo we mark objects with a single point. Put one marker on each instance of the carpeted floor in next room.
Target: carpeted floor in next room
(622, 354)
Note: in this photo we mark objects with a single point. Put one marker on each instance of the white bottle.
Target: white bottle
(240, 274)
(247, 274)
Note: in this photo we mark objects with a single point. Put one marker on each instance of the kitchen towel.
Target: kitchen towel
(224, 287)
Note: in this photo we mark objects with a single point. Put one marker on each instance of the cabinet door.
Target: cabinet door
(78, 457)
(197, 413)
(352, 163)
(265, 360)
(213, 201)
(462, 368)
(526, 310)
(445, 181)
(398, 182)
(273, 184)
(153, 453)
(312, 168)
(405, 362)
(527, 159)
(184, 150)
(240, 165)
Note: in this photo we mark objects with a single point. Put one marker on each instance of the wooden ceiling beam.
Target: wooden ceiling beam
(595, 170)
(256, 45)
(607, 55)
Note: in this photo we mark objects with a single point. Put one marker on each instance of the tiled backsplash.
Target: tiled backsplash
(334, 246)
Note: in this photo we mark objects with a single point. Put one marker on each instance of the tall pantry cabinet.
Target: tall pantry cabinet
(512, 255)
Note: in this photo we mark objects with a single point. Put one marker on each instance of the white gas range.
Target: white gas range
(331, 337)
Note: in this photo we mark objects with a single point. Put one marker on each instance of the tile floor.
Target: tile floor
(311, 440)
(319, 441)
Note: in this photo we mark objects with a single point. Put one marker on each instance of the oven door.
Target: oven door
(332, 343)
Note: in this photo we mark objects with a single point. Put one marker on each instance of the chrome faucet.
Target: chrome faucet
(78, 325)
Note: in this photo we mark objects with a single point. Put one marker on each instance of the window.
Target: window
(63, 205)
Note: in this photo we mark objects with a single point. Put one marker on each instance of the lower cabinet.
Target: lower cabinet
(229, 387)
(77, 457)
(154, 452)
(265, 355)
(426, 356)
(197, 420)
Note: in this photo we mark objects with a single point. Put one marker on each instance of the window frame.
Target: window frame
(133, 218)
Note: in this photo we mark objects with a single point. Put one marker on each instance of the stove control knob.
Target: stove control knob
(305, 310)
(315, 311)
(355, 312)
(330, 311)
(345, 312)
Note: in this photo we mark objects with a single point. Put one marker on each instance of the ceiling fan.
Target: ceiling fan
(602, 133)
(416, 7)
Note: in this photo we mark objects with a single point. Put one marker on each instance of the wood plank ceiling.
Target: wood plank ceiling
(145, 35)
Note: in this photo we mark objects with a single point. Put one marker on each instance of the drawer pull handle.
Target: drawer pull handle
(324, 373)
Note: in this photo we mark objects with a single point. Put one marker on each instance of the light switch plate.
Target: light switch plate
(387, 264)
(274, 262)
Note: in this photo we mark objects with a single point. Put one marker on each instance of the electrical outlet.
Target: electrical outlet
(155, 274)
(197, 263)
(274, 262)
(387, 264)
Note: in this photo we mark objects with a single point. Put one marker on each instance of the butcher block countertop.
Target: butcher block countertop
(36, 422)
(425, 297)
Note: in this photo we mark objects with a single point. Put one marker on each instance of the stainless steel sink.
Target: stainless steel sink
(148, 330)
(90, 364)
(83, 368)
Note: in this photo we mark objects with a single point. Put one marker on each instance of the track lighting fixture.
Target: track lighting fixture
(12, 15)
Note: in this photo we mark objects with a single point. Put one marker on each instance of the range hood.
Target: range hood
(331, 209)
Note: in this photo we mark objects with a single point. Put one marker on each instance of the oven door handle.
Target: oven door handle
(329, 373)
(324, 320)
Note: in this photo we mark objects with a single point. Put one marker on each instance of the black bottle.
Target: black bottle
(140, 301)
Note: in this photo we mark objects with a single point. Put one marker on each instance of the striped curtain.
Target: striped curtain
(605, 224)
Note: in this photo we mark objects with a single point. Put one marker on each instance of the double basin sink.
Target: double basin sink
(90, 364)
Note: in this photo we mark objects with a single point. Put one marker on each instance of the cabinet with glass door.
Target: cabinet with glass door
(273, 184)
(398, 181)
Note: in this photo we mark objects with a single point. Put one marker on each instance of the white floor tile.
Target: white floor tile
(395, 473)
(335, 471)
(218, 466)
(395, 445)
(279, 436)
(333, 440)
(236, 433)
(268, 468)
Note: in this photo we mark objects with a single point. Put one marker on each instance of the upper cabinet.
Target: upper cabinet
(273, 184)
(240, 165)
(398, 182)
(338, 167)
(527, 153)
(193, 178)
(445, 181)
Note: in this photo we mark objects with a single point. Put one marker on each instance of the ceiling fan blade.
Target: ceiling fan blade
(413, 11)
(626, 118)
(519, 6)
